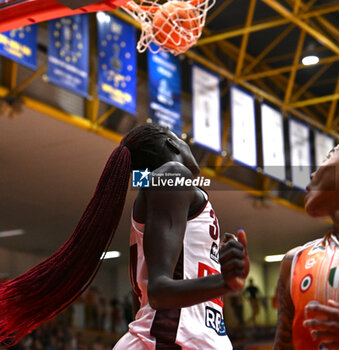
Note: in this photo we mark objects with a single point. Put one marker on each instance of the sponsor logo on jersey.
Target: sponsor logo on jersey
(309, 263)
(214, 252)
(214, 320)
(333, 277)
(306, 283)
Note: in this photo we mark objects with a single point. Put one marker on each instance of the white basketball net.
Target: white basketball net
(174, 26)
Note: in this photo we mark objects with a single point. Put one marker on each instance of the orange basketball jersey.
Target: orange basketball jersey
(314, 276)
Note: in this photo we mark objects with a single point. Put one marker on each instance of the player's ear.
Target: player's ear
(172, 145)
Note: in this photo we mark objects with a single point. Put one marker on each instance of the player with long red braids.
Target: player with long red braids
(179, 269)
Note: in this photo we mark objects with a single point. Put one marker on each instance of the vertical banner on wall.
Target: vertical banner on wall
(243, 127)
(272, 131)
(68, 53)
(164, 74)
(206, 109)
(117, 63)
(20, 45)
(300, 153)
(323, 143)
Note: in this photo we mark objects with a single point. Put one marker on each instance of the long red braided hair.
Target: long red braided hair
(50, 287)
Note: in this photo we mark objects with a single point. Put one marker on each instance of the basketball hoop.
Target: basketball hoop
(174, 26)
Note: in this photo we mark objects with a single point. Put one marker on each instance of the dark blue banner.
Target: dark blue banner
(117, 71)
(164, 72)
(68, 53)
(20, 45)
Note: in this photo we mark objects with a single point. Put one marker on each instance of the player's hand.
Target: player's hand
(234, 260)
(323, 323)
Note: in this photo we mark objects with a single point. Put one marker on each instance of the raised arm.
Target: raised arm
(283, 336)
(166, 218)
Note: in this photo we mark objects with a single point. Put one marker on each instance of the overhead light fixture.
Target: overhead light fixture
(11, 233)
(274, 258)
(310, 60)
(113, 254)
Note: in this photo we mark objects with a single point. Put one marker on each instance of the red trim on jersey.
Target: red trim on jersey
(205, 270)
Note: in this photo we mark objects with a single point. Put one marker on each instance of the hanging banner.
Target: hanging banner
(323, 143)
(243, 127)
(164, 74)
(20, 45)
(272, 131)
(300, 153)
(68, 53)
(206, 109)
(117, 64)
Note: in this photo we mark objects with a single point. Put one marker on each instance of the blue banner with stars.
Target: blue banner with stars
(164, 71)
(68, 53)
(117, 63)
(20, 45)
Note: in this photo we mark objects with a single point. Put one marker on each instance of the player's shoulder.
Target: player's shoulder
(291, 253)
(173, 168)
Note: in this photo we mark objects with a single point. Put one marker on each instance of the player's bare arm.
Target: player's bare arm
(166, 217)
(283, 336)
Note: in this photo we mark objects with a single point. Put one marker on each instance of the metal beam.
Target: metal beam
(254, 89)
(316, 100)
(288, 56)
(296, 6)
(240, 31)
(333, 106)
(319, 10)
(92, 103)
(106, 115)
(333, 30)
(28, 81)
(310, 82)
(277, 71)
(294, 69)
(245, 37)
(297, 20)
(269, 48)
(280, 80)
(266, 24)
(9, 73)
(217, 11)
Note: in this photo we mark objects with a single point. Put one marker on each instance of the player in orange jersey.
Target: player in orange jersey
(308, 287)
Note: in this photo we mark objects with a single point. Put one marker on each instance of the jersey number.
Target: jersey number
(214, 229)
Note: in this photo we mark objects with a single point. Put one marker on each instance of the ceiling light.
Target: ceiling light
(110, 255)
(309, 60)
(274, 258)
(11, 233)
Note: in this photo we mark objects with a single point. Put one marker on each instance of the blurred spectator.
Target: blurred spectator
(91, 315)
(98, 344)
(101, 312)
(253, 292)
(238, 307)
(128, 311)
(115, 315)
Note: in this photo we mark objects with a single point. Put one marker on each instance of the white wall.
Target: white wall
(13, 263)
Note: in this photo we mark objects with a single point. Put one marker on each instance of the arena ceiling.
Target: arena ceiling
(259, 44)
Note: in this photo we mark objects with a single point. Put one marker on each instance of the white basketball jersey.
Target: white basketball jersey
(198, 327)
